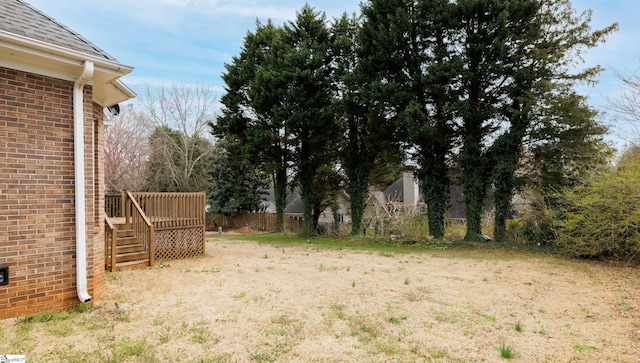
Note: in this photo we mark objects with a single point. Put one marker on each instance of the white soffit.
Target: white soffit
(33, 56)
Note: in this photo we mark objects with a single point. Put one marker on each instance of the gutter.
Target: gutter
(35, 56)
(78, 141)
(52, 52)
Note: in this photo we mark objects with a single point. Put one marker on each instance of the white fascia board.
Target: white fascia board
(33, 56)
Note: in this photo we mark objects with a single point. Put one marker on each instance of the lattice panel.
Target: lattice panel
(172, 244)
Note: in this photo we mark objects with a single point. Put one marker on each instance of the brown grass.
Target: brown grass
(250, 302)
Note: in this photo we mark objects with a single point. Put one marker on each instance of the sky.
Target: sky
(189, 41)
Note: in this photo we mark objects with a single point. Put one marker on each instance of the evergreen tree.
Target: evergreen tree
(357, 154)
(544, 109)
(434, 68)
(566, 142)
(254, 96)
(177, 162)
(308, 111)
(372, 102)
(491, 31)
(237, 185)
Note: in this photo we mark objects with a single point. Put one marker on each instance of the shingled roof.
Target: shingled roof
(31, 41)
(20, 18)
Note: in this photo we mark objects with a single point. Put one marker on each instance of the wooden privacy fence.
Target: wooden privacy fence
(255, 221)
(265, 222)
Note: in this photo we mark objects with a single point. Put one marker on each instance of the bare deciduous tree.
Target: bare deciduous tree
(625, 107)
(178, 118)
(126, 152)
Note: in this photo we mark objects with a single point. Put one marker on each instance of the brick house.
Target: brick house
(54, 86)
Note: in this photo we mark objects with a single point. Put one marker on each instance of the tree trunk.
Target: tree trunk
(280, 191)
(436, 195)
(306, 191)
(475, 181)
(502, 196)
(358, 190)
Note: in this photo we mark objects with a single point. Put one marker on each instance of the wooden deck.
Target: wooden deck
(168, 225)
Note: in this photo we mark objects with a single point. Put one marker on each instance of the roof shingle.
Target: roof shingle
(20, 18)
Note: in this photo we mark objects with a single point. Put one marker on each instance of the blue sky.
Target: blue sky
(170, 41)
(188, 41)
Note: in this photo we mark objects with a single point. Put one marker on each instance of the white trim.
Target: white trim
(34, 56)
(34, 68)
(60, 54)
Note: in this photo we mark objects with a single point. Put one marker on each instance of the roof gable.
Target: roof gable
(394, 192)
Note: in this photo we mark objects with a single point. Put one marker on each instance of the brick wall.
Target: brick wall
(95, 261)
(37, 215)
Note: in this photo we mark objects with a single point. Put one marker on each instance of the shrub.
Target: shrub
(414, 227)
(536, 225)
(602, 217)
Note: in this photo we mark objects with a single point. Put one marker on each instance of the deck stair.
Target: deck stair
(130, 253)
(128, 235)
(140, 227)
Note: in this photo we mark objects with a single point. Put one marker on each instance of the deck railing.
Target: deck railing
(173, 210)
(125, 206)
(142, 226)
(110, 244)
(170, 225)
(113, 205)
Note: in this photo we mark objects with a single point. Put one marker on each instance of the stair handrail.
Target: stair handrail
(142, 226)
(110, 246)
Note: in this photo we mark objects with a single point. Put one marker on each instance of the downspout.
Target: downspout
(78, 141)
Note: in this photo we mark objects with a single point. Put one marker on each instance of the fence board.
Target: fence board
(265, 222)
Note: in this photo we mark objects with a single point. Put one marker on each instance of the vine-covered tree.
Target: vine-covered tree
(369, 100)
(356, 153)
(305, 69)
(469, 84)
(544, 109)
(368, 152)
(424, 70)
(434, 70)
(491, 32)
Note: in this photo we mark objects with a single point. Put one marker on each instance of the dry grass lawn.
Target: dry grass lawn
(257, 302)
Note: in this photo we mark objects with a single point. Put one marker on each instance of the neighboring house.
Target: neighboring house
(269, 201)
(54, 86)
(295, 209)
(405, 195)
